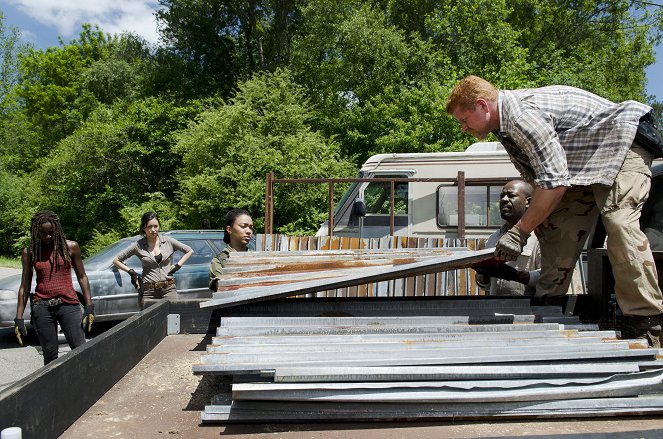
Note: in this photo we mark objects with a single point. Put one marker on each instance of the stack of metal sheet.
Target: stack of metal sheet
(355, 360)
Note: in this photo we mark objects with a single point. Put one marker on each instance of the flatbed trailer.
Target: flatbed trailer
(136, 380)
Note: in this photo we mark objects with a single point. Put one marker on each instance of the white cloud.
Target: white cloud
(112, 16)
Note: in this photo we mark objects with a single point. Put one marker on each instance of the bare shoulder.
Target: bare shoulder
(73, 247)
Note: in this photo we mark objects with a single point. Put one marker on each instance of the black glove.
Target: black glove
(134, 278)
(88, 317)
(511, 244)
(174, 269)
(19, 329)
(500, 271)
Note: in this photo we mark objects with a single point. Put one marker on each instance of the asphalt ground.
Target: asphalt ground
(16, 361)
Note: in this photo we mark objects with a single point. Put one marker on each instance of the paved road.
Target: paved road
(16, 361)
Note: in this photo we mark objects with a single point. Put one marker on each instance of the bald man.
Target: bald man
(519, 277)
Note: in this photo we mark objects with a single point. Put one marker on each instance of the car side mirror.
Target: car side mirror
(359, 208)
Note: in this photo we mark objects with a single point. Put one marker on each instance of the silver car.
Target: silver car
(113, 295)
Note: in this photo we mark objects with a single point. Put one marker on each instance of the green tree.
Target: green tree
(265, 128)
(375, 89)
(479, 40)
(225, 41)
(603, 46)
(19, 199)
(120, 157)
(50, 87)
(9, 48)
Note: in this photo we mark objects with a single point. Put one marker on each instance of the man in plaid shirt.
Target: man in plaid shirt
(578, 150)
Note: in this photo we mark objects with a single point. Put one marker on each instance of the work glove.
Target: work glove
(134, 278)
(499, 271)
(19, 330)
(174, 269)
(511, 244)
(88, 317)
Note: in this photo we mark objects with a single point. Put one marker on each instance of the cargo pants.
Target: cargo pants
(563, 234)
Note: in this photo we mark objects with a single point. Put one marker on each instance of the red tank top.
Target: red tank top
(54, 282)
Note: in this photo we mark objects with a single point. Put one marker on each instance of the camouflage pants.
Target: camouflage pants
(563, 235)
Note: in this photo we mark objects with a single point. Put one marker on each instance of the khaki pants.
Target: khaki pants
(563, 235)
(167, 292)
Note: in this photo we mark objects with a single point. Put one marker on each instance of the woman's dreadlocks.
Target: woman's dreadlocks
(60, 246)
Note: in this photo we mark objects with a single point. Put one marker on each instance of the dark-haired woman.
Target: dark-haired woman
(237, 235)
(155, 252)
(51, 256)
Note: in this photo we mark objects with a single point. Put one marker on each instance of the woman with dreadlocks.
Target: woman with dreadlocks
(155, 252)
(51, 256)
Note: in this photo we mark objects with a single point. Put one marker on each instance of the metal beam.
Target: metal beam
(256, 411)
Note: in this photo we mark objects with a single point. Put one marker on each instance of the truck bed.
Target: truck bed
(160, 397)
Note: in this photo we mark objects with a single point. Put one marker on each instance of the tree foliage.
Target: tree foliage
(104, 127)
(265, 128)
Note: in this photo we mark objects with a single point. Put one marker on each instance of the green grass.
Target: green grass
(7, 262)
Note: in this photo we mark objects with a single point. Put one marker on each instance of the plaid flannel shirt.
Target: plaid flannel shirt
(565, 136)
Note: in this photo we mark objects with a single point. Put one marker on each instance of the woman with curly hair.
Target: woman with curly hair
(51, 256)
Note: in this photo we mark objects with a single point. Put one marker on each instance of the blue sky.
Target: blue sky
(42, 21)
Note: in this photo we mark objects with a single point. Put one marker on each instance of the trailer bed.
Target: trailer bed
(161, 397)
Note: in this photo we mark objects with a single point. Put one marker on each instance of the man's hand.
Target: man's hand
(134, 278)
(174, 269)
(19, 330)
(88, 317)
(511, 244)
(500, 271)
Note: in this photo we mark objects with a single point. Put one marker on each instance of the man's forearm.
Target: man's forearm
(544, 202)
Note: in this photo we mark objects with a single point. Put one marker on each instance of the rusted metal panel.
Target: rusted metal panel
(344, 279)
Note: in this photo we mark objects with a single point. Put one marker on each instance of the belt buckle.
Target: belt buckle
(54, 302)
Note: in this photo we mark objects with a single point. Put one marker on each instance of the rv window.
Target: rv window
(481, 206)
(376, 197)
(350, 191)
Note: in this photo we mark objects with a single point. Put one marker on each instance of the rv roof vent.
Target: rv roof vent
(485, 146)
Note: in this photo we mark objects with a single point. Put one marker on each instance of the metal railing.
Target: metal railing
(459, 181)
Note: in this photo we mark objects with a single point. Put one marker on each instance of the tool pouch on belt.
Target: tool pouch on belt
(648, 136)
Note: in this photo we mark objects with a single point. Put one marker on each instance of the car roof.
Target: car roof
(105, 256)
(195, 234)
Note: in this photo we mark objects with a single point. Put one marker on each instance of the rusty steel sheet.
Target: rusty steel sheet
(283, 288)
(274, 266)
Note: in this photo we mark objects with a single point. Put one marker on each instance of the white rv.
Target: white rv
(426, 208)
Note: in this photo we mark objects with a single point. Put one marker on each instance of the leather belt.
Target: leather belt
(49, 302)
(161, 284)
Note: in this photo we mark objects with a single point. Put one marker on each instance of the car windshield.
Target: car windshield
(105, 256)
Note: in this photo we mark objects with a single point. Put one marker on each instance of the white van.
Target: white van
(426, 208)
